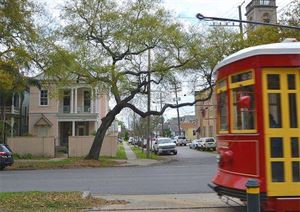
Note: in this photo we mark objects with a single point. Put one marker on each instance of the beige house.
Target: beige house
(75, 110)
(206, 115)
(189, 130)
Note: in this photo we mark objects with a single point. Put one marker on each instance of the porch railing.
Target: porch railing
(11, 110)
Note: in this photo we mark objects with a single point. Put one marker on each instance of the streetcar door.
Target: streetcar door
(281, 97)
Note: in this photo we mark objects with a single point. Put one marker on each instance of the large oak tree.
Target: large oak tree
(116, 44)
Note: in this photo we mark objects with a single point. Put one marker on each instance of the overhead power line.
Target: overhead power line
(202, 17)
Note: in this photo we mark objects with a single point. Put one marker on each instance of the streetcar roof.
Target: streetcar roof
(268, 49)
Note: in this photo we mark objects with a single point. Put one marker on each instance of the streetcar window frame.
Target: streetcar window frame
(246, 79)
(222, 86)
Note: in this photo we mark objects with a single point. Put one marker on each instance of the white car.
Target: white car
(164, 145)
(180, 140)
(195, 144)
(207, 143)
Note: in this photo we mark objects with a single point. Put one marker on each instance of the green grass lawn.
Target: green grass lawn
(141, 154)
(49, 201)
(65, 163)
(121, 154)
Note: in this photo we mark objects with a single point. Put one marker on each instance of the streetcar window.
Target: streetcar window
(296, 171)
(244, 117)
(276, 148)
(223, 111)
(275, 110)
(293, 110)
(241, 77)
(277, 171)
(295, 147)
(273, 81)
(291, 81)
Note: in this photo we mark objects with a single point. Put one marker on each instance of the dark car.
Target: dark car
(6, 157)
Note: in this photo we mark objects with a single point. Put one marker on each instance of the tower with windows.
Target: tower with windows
(262, 11)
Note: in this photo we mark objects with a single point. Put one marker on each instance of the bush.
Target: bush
(23, 156)
(27, 135)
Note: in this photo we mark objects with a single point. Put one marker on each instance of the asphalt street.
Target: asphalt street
(187, 173)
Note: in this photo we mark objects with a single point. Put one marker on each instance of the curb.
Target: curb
(170, 202)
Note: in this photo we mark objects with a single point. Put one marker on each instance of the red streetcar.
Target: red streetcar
(258, 98)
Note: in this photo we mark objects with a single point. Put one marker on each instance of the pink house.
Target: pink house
(74, 110)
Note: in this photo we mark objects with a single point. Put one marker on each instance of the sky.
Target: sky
(185, 11)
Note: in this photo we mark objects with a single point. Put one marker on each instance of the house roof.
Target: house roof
(187, 125)
(43, 122)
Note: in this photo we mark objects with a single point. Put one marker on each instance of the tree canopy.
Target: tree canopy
(115, 45)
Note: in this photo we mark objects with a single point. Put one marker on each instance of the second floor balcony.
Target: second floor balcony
(11, 110)
(78, 100)
(84, 109)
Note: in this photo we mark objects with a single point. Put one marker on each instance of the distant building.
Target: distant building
(262, 11)
(189, 130)
(172, 123)
(206, 115)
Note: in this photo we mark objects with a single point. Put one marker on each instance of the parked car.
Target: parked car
(130, 140)
(181, 140)
(164, 145)
(195, 144)
(207, 143)
(6, 156)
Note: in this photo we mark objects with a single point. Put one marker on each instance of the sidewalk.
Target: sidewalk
(132, 160)
(170, 202)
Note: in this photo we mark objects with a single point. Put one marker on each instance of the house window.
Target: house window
(44, 97)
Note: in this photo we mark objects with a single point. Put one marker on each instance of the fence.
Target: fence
(80, 146)
(37, 146)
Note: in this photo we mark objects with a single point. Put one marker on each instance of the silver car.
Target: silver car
(164, 145)
(195, 144)
(181, 140)
(207, 143)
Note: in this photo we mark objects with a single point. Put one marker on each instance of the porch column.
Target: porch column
(12, 103)
(92, 100)
(75, 100)
(96, 101)
(96, 125)
(72, 102)
(73, 128)
(12, 123)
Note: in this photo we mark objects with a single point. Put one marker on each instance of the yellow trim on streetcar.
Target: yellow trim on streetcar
(287, 187)
(253, 190)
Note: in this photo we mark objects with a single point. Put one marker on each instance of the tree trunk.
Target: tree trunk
(100, 134)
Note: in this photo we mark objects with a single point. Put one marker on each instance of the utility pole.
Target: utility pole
(148, 106)
(240, 18)
(162, 117)
(178, 116)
